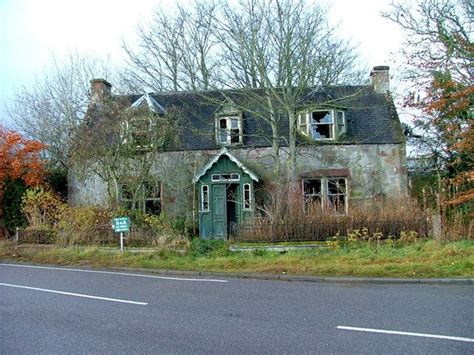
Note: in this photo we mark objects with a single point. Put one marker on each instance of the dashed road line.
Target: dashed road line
(75, 294)
(383, 331)
(116, 273)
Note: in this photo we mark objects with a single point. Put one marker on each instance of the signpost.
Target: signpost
(120, 225)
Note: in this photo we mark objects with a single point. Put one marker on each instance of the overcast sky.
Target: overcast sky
(33, 31)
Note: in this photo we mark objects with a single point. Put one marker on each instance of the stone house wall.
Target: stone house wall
(374, 170)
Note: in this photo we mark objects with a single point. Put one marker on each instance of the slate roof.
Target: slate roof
(371, 117)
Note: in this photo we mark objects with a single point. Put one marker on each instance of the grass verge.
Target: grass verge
(422, 259)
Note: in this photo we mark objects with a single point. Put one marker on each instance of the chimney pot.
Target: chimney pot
(381, 79)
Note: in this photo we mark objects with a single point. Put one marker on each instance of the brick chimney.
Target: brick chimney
(381, 79)
(100, 90)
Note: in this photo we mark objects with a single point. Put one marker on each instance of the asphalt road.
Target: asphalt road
(123, 313)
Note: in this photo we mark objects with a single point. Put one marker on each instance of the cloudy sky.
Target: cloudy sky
(32, 32)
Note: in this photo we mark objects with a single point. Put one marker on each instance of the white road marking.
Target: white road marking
(75, 294)
(115, 273)
(469, 340)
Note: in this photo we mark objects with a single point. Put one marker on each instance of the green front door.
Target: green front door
(219, 211)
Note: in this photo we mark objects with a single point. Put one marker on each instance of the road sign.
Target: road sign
(121, 224)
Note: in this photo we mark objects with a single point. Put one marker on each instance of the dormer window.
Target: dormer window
(322, 124)
(229, 130)
(138, 133)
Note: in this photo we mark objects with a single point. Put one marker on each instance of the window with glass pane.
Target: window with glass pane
(303, 123)
(223, 130)
(341, 122)
(229, 130)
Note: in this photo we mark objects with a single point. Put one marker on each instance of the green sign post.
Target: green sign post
(120, 225)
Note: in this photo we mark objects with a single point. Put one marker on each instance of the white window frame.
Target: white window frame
(305, 124)
(228, 130)
(205, 200)
(127, 127)
(344, 122)
(220, 177)
(249, 208)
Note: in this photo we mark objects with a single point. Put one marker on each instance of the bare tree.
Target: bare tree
(120, 144)
(54, 106)
(285, 48)
(176, 52)
(271, 53)
(439, 53)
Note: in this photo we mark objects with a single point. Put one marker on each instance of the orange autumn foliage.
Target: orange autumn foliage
(19, 159)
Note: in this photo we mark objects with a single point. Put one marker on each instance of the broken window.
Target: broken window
(321, 125)
(247, 197)
(325, 194)
(146, 197)
(312, 194)
(126, 197)
(152, 197)
(225, 177)
(336, 195)
(205, 198)
(229, 130)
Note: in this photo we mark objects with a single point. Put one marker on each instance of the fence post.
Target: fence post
(436, 227)
(16, 236)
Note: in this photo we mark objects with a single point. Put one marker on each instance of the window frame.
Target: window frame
(328, 194)
(221, 178)
(305, 125)
(325, 195)
(307, 196)
(142, 198)
(205, 200)
(128, 131)
(244, 200)
(228, 129)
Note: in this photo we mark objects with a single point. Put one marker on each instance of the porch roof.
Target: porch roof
(216, 158)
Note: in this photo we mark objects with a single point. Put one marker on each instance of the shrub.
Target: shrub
(12, 205)
(85, 225)
(42, 208)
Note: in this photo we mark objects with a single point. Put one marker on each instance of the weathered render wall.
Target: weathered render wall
(374, 170)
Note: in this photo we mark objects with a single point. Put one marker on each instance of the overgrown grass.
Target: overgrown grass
(426, 258)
